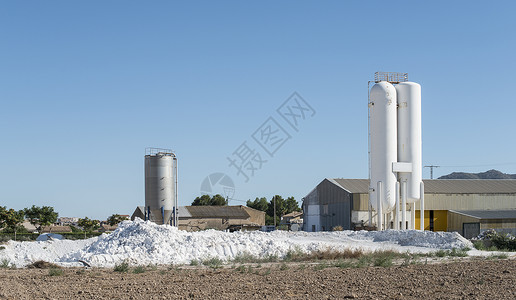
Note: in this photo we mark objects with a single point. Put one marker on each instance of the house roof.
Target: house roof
(108, 227)
(488, 214)
(441, 186)
(293, 214)
(54, 228)
(236, 212)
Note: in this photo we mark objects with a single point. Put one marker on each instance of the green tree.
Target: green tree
(216, 200)
(282, 207)
(258, 203)
(41, 216)
(291, 205)
(203, 200)
(10, 218)
(280, 210)
(88, 225)
(115, 219)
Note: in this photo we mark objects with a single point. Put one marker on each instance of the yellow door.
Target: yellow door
(439, 218)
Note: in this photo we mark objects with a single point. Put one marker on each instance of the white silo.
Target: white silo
(161, 186)
(383, 145)
(409, 137)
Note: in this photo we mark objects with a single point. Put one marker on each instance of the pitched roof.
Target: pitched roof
(236, 212)
(293, 214)
(488, 214)
(55, 228)
(441, 186)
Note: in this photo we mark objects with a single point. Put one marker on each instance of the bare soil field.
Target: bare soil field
(461, 279)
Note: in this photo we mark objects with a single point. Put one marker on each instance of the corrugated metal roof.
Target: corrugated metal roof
(182, 212)
(488, 214)
(442, 186)
(236, 212)
(355, 186)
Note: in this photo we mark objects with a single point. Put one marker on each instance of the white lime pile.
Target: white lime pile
(142, 243)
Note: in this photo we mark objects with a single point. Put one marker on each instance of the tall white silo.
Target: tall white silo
(409, 136)
(160, 186)
(383, 144)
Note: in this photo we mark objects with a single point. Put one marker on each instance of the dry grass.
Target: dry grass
(323, 255)
(41, 264)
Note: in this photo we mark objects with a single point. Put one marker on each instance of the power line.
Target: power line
(431, 170)
(233, 199)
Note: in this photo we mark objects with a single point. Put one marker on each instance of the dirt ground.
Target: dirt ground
(470, 279)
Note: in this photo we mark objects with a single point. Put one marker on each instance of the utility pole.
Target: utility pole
(274, 212)
(431, 170)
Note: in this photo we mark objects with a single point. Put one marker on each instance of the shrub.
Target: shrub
(122, 267)
(213, 262)
(504, 241)
(41, 264)
(383, 259)
(194, 262)
(499, 256)
(458, 252)
(344, 264)
(479, 245)
(241, 269)
(4, 264)
(139, 270)
(319, 267)
(244, 257)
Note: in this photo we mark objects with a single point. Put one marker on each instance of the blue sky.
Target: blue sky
(86, 86)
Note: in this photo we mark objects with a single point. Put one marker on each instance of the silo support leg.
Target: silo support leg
(422, 206)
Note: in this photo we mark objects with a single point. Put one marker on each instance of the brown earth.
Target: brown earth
(465, 279)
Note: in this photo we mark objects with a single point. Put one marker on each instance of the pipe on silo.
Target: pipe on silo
(403, 205)
(379, 211)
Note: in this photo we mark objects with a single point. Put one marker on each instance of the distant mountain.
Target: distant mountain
(491, 174)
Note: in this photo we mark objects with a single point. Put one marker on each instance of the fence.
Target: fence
(5, 237)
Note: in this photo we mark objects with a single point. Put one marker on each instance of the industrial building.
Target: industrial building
(450, 205)
(195, 218)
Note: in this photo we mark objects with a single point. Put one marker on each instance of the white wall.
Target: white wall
(312, 216)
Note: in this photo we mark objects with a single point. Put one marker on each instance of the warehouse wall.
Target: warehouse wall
(503, 226)
(455, 221)
(327, 206)
(468, 201)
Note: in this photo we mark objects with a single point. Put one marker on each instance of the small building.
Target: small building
(107, 228)
(67, 221)
(29, 226)
(470, 223)
(295, 217)
(345, 202)
(55, 229)
(195, 218)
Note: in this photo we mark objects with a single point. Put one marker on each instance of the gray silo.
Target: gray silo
(161, 186)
